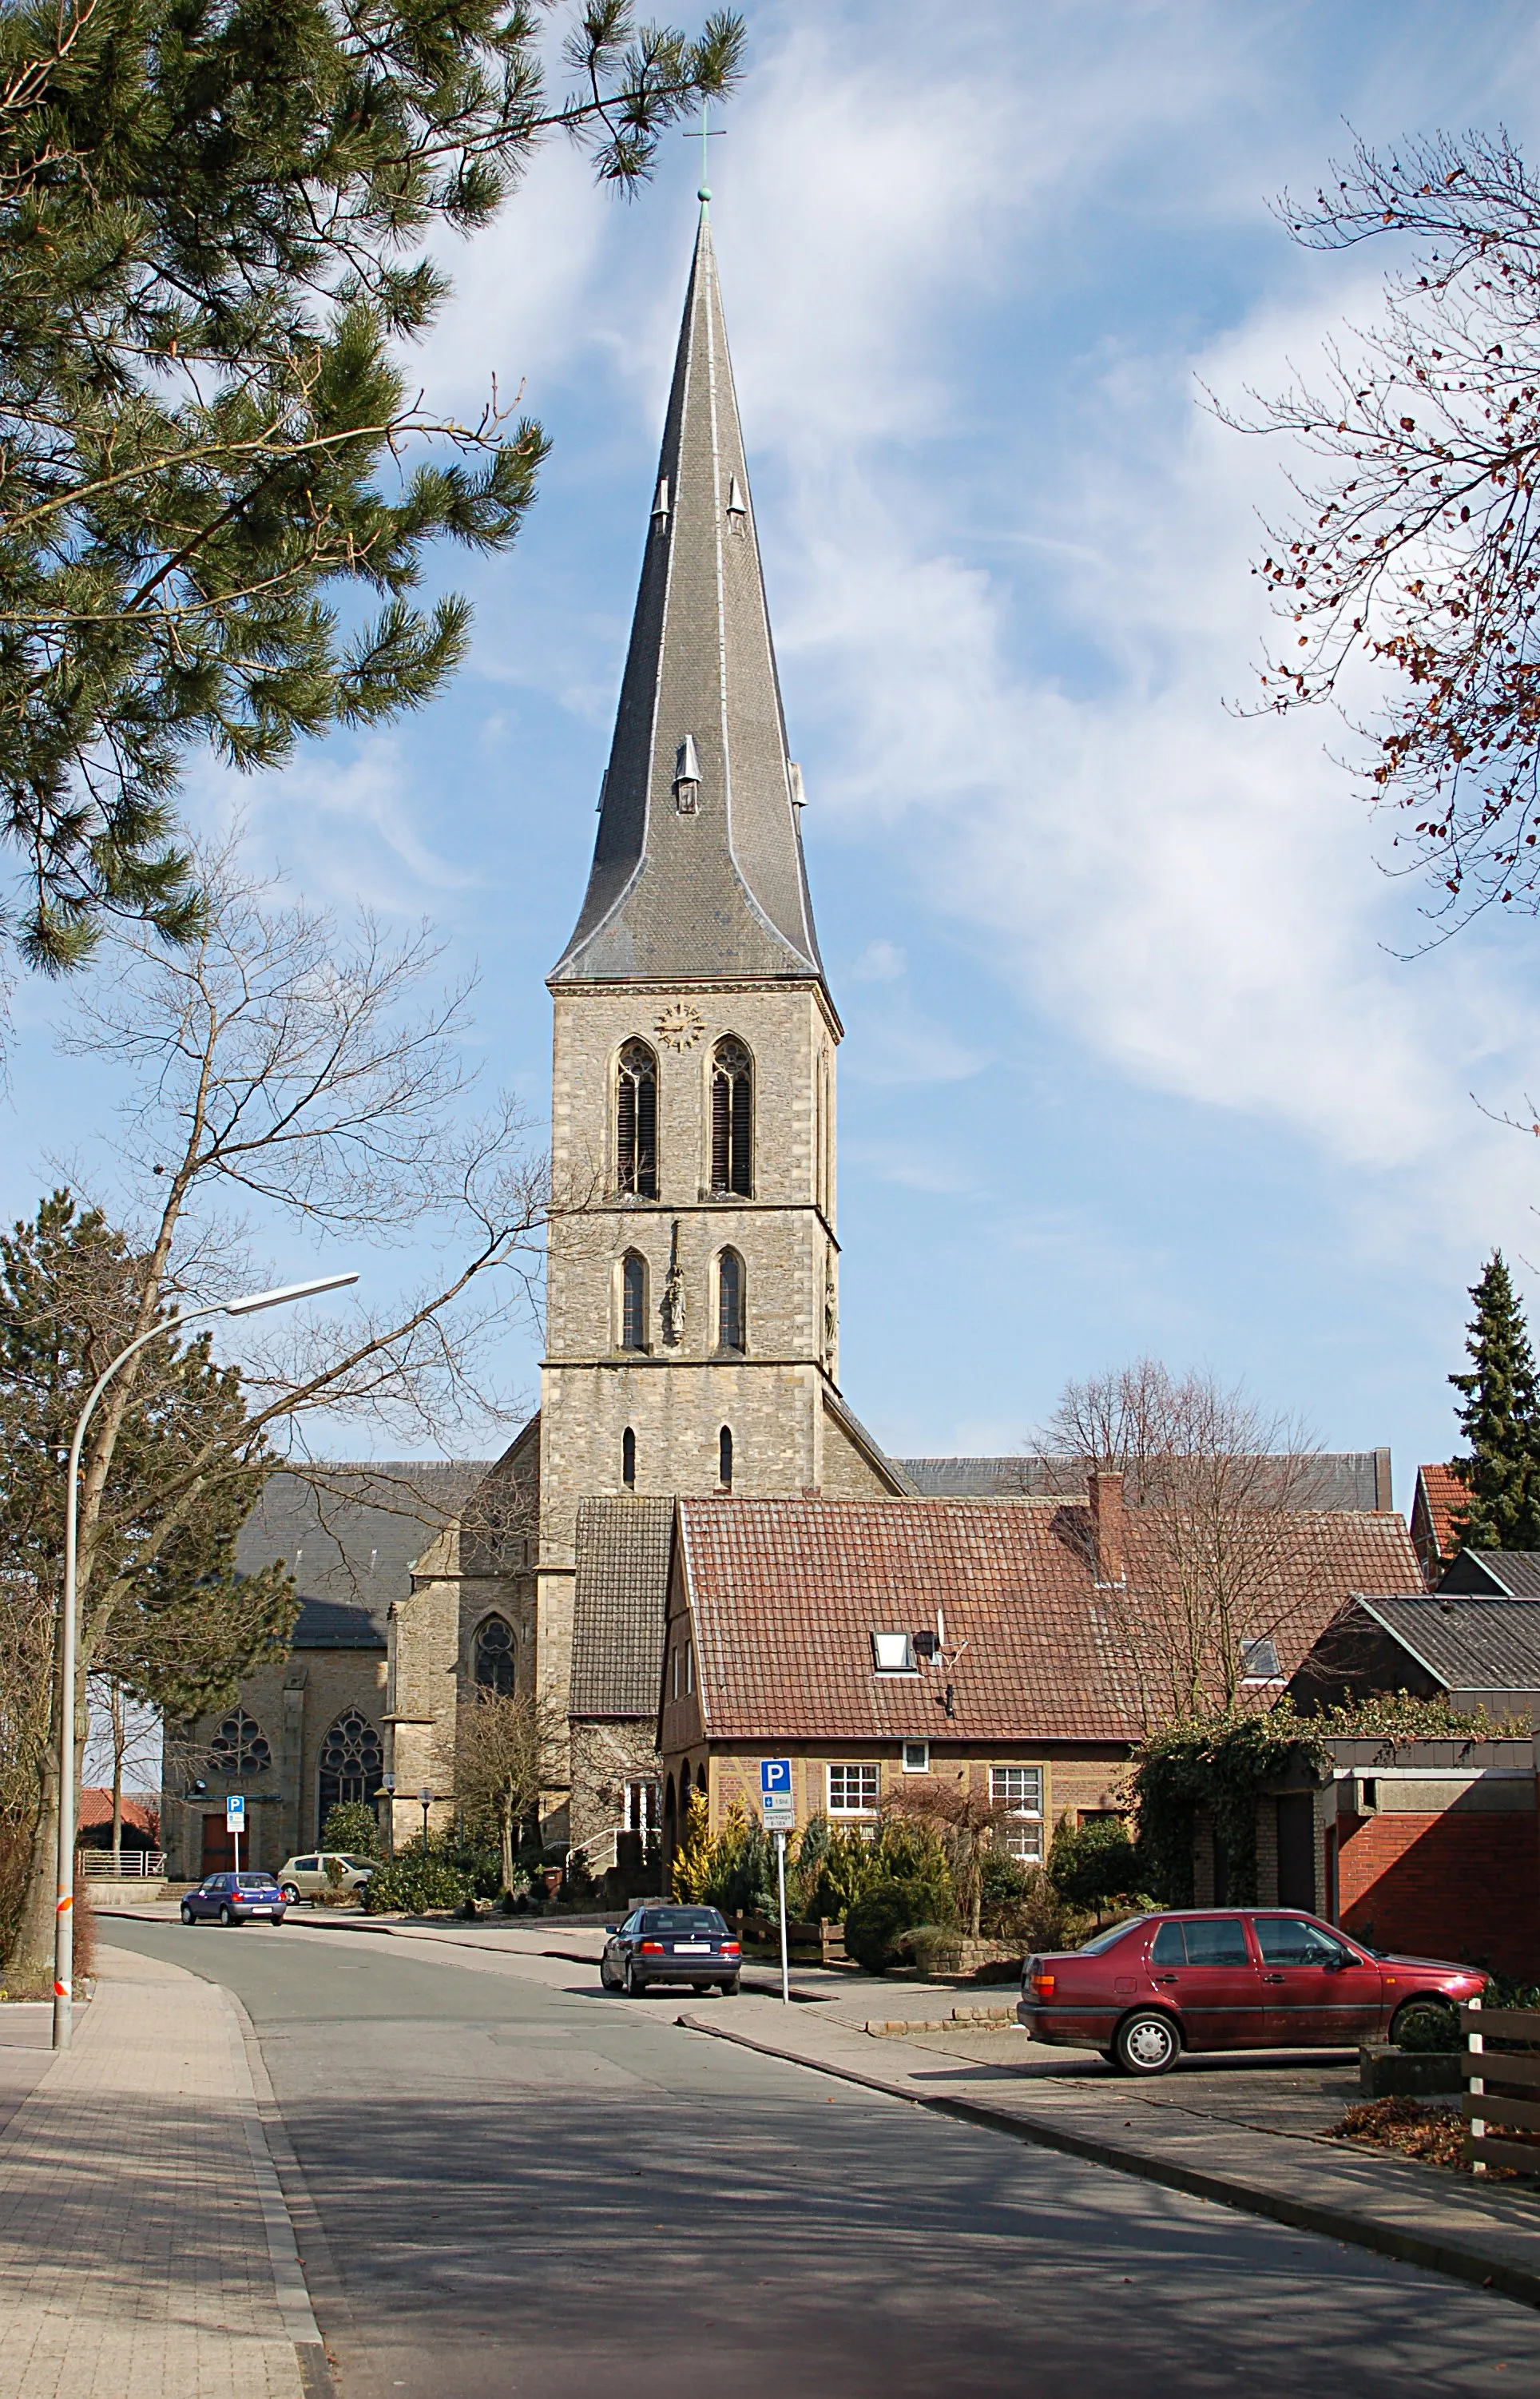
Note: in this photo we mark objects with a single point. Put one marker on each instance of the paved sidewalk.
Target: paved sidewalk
(1180, 2132)
(145, 2252)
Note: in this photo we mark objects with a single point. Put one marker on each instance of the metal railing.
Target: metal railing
(135, 1863)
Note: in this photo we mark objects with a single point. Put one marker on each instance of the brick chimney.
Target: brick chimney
(1106, 1492)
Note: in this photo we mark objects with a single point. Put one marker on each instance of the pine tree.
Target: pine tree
(217, 493)
(1501, 1421)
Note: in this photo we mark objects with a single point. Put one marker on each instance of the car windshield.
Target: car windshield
(367, 1863)
(1105, 1941)
(682, 1919)
(253, 1882)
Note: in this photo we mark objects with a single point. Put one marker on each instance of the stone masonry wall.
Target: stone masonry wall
(295, 1702)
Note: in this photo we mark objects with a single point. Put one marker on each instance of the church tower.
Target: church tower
(692, 1337)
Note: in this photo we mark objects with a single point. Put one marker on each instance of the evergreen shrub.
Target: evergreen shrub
(351, 1826)
(889, 1908)
(416, 1882)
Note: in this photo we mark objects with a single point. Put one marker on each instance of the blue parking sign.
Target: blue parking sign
(775, 1777)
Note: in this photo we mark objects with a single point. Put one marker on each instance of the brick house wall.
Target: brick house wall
(1455, 1884)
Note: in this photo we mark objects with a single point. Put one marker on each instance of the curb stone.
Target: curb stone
(1442, 2256)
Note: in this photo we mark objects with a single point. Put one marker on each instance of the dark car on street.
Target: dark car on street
(670, 1944)
(1230, 1978)
(234, 1899)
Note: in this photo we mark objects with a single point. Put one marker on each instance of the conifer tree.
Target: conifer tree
(220, 223)
(1501, 1421)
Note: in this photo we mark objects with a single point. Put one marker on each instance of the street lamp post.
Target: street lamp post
(64, 1920)
(425, 1801)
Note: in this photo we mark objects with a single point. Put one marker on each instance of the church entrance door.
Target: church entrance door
(219, 1846)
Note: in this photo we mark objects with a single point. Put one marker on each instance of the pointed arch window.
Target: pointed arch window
(731, 1119)
(732, 1326)
(240, 1747)
(636, 1122)
(628, 1458)
(725, 1457)
(633, 1301)
(351, 1764)
(494, 1658)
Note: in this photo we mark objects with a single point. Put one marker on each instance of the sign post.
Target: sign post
(234, 1820)
(778, 1809)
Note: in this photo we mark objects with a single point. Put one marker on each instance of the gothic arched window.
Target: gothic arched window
(240, 1747)
(351, 1764)
(493, 1660)
(636, 1122)
(628, 1458)
(725, 1457)
(731, 1119)
(732, 1330)
(633, 1301)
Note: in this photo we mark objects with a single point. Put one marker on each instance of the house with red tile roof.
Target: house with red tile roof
(1440, 1496)
(1003, 1642)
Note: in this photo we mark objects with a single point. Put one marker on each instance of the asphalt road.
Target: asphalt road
(544, 2193)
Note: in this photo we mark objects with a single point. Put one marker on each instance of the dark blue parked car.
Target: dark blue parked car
(669, 1945)
(234, 1899)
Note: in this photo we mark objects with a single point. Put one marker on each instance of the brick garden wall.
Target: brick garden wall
(1459, 1885)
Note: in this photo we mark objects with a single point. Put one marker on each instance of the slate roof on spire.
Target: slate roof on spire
(709, 880)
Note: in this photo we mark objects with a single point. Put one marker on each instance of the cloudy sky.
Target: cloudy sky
(1139, 1055)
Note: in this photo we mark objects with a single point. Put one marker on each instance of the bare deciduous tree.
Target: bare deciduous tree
(1223, 1539)
(968, 1822)
(510, 1747)
(276, 1065)
(1416, 544)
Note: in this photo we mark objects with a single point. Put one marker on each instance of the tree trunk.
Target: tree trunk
(505, 1837)
(28, 1969)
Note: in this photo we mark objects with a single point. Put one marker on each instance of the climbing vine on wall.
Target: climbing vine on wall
(1218, 1766)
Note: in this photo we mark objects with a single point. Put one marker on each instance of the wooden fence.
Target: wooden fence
(1502, 2087)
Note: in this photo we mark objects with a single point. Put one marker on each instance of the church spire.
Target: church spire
(697, 870)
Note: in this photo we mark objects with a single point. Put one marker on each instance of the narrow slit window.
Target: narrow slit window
(732, 1120)
(725, 1457)
(730, 1311)
(628, 1458)
(633, 1302)
(636, 1122)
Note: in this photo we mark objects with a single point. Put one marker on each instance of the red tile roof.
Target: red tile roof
(1440, 1496)
(96, 1807)
(785, 1594)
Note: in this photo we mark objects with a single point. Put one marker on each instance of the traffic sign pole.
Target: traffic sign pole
(780, 1879)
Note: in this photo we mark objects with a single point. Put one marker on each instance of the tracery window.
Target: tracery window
(731, 1326)
(732, 1118)
(240, 1746)
(493, 1660)
(633, 1302)
(636, 1122)
(352, 1762)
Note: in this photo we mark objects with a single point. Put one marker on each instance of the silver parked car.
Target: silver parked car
(307, 1877)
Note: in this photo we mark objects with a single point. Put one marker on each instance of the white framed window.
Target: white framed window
(1020, 1788)
(893, 1653)
(917, 1757)
(1259, 1660)
(853, 1790)
(643, 1802)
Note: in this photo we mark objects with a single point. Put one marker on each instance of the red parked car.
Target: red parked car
(1227, 1978)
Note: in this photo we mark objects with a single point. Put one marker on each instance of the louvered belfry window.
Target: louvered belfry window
(633, 1303)
(733, 1119)
(636, 1122)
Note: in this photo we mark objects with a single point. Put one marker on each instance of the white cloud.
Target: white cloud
(343, 829)
(879, 962)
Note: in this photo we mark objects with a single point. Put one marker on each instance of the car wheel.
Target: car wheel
(730, 1990)
(628, 1984)
(187, 1916)
(1438, 2015)
(277, 1915)
(1148, 2043)
(291, 1894)
(225, 1916)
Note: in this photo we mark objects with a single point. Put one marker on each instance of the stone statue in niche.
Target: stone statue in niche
(831, 1316)
(673, 1298)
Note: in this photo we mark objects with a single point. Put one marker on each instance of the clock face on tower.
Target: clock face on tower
(679, 1027)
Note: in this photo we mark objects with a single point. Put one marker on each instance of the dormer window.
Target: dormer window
(660, 506)
(737, 508)
(687, 777)
(1259, 1660)
(893, 1653)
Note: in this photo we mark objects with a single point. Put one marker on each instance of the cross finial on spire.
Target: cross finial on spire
(709, 132)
